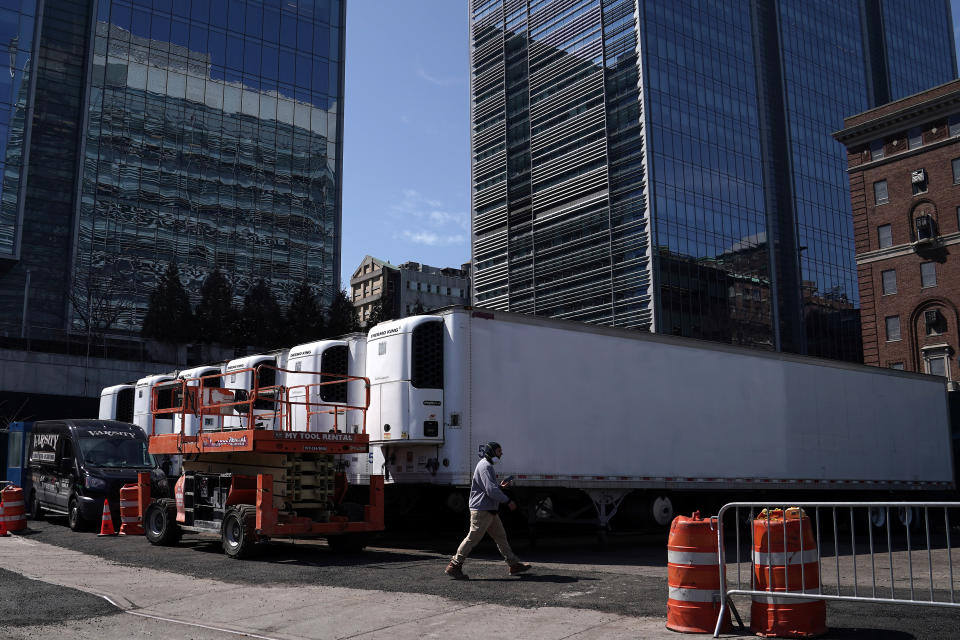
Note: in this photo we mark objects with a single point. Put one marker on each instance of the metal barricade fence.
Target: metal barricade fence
(845, 559)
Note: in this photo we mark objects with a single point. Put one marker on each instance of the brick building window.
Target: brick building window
(896, 365)
(956, 170)
(876, 149)
(889, 278)
(915, 138)
(953, 122)
(928, 274)
(918, 181)
(893, 328)
(935, 321)
(880, 192)
(936, 360)
(885, 235)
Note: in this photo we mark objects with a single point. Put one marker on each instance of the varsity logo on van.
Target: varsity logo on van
(44, 447)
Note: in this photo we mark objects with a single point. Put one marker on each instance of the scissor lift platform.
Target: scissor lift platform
(249, 484)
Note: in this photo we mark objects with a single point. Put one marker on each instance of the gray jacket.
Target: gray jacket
(485, 493)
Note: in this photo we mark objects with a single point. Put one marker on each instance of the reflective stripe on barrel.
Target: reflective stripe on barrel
(693, 576)
(14, 514)
(786, 560)
(130, 510)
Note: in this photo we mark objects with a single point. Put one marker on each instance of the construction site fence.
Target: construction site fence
(872, 552)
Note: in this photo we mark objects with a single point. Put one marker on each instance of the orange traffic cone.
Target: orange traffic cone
(106, 522)
(3, 523)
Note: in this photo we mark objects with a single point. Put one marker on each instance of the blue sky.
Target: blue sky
(406, 154)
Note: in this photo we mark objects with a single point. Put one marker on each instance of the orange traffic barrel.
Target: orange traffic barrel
(130, 511)
(14, 511)
(693, 576)
(785, 559)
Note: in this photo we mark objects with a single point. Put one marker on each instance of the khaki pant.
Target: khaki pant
(482, 522)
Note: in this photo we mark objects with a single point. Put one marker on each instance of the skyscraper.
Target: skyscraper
(669, 165)
(143, 133)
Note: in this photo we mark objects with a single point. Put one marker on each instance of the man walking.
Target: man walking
(485, 496)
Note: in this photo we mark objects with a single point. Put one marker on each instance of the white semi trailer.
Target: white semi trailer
(606, 412)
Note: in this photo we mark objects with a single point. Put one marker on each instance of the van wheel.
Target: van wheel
(160, 523)
(74, 518)
(237, 530)
(36, 511)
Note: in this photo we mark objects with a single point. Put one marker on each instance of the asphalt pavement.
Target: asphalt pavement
(395, 589)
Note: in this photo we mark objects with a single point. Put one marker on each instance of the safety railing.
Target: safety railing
(873, 552)
(269, 403)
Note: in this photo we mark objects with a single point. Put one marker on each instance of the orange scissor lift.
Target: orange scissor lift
(256, 470)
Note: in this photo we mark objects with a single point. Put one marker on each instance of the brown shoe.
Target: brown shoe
(455, 571)
(518, 568)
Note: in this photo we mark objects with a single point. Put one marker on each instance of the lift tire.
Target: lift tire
(160, 523)
(75, 519)
(237, 532)
(347, 542)
(36, 511)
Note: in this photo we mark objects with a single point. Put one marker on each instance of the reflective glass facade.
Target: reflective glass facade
(669, 165)
(207, 135)
(17, 24)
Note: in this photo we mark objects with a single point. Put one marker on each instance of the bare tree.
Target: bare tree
(96, 304)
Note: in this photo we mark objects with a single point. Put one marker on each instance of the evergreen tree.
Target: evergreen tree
(305, 316)
(261, 321)
(418, 309)
(377, 315)
(168, 316)
(215, 313)
(342, 316)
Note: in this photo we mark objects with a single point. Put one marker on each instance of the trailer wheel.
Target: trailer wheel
(347, 542)
(237, 530)
(661, 510)
(160, 523)
(36, 511)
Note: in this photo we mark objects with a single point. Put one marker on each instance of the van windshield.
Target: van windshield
(116, 452)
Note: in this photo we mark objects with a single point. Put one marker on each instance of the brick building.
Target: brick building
(904, 166)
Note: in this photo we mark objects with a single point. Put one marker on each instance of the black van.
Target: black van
(75, 464)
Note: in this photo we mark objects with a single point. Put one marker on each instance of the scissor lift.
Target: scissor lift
(263, 476)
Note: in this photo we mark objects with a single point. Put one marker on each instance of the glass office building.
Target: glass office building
(204, 134)
(668, 165)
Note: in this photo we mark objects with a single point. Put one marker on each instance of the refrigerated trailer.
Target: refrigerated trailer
(606, 413)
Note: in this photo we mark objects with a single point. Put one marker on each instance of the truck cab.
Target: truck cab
(75, 465)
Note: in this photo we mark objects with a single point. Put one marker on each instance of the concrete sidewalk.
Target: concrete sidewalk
(293, 612)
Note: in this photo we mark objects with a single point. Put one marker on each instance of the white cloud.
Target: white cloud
(426, 221)
(416, 206)
(431, 239)
(446, 81)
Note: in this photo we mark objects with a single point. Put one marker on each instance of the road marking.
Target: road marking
(183, 622)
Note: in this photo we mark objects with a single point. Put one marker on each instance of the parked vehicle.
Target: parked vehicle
(75, 464)
(597, 420)
(603, 412)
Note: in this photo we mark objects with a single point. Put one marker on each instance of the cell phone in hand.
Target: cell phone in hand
(508, 479)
